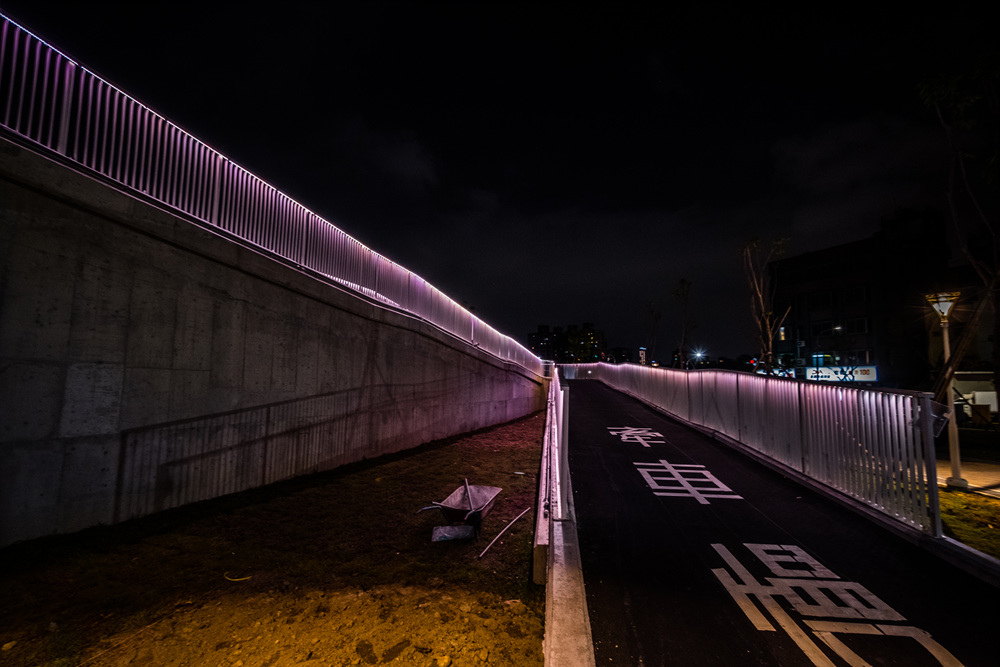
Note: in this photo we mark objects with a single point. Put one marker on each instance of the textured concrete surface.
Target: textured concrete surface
(146, 362)
(568, 639)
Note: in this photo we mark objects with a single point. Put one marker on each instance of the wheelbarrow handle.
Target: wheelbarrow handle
(432, 507)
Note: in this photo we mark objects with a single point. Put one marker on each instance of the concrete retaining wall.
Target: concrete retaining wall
(146, 362)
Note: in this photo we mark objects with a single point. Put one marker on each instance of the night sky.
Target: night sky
(548, 163)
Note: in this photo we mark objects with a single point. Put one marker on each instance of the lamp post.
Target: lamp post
(942, 303)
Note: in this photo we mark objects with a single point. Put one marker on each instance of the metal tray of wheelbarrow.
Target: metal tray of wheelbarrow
(467, 505)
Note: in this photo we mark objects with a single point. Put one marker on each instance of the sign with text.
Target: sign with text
(840, 373)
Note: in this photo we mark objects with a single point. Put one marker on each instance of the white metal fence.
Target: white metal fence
(876, 446)
(557, 563)
(552, 505)
(55, 103)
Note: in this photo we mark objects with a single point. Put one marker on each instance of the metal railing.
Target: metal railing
(557, 562)
(55, 103)
(876, 446)
(552, 503)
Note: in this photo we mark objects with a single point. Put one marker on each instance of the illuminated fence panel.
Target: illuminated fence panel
(872, 445)
(55, 103)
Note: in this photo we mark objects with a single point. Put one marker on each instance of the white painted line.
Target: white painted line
(684, 480)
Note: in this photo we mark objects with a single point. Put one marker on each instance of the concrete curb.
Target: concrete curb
(568, 641)
(557, 563)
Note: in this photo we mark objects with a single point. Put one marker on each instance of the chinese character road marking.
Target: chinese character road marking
(642, 435)
(793, 554)
(825, 631)
(798, 572)
(684, 480)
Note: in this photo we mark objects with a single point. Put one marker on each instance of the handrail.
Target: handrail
(56, 104)
(875, 446)
(550, 506)
(557, 562)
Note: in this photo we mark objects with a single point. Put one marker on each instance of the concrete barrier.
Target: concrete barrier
(147, 362)
(557, 563)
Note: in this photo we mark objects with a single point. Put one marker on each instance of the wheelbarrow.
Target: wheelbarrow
(467, 505)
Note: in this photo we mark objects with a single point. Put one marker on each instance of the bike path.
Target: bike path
(742, 566)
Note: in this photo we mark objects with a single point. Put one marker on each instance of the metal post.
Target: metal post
(804, 450)
(930, 467)
(955, 480)
(67, 108)
(564, 453)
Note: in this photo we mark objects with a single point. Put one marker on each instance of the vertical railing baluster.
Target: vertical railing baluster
(26, 127)
(68, 76)
(216, 186)
(144, 162)
(88, 119)
(8, 36)
(114, 134)
(131, 142)
(44, 131)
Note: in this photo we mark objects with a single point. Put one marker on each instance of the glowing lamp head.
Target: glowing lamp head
(942, 303)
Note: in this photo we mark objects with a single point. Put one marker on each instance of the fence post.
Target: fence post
(803, 443)
(67, 106)
(930, 465)
(563, 449)
(739, 411)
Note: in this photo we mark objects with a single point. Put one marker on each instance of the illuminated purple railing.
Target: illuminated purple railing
(54, 102)
(876, 446)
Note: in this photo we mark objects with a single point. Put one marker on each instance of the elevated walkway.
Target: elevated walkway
(693, 553)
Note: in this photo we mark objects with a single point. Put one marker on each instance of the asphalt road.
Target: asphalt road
(693, 554)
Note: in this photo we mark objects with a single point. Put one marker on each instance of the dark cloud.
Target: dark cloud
(837, 158)
(550, 162)
(397, 158)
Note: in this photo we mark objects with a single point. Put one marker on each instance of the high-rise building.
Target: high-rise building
(580, 344)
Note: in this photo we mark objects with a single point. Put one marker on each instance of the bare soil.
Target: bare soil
(333, 569)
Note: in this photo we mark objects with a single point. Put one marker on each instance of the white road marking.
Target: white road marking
(831, 598)
(684, 480)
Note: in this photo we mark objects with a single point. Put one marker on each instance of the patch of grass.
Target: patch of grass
(972, 519)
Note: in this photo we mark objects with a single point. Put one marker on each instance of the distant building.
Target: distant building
(575, 343)
(858, 311)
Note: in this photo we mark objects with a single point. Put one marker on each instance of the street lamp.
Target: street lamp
(942, 303)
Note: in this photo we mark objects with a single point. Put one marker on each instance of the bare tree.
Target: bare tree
(967, 106)
(755, 266)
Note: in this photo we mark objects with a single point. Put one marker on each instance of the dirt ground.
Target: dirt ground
(334, 569)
